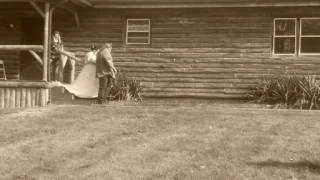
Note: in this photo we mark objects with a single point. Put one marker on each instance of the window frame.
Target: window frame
(300, 36)
(127, 30)
(275, 36)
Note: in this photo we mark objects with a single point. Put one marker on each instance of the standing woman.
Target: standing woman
(91, 56)
(56, 45)
(86, 84)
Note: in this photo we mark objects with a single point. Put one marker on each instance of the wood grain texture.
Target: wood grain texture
(12, 99)
(18, 97)
(28, 97)
(206, 53)
(33, 97)
(23, 97)
(43, 97)
(2, 97)
(193, 52)
(37, 97)
(7, 98)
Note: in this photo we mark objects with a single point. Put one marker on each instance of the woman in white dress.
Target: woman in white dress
(86, 84)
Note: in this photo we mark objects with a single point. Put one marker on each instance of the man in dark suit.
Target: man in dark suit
(105, 72)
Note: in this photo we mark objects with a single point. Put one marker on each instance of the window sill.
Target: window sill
(137, 45)
(308, 55)
(296, 56)
(283, 55)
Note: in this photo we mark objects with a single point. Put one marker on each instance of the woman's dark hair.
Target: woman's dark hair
(93, 48)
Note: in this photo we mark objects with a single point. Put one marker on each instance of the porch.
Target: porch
(26, 52)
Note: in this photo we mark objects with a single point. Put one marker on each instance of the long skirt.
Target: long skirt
(86, 84)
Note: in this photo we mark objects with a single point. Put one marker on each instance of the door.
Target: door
(32, 32)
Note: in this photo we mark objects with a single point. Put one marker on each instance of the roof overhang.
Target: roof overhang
(180, 3)
(83, 3)
(199, 3)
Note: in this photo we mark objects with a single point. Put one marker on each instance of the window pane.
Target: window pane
(285, 27)
(310, 26)
(138, 40)
(284, 45)
(138, 25)
(310, 44)
(138, 34)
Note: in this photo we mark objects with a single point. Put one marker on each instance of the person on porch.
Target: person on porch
(58, 60)
(56, 45)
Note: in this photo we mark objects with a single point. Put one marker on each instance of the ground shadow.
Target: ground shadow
(313, 167)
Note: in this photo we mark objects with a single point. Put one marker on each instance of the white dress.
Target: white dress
(86, 84)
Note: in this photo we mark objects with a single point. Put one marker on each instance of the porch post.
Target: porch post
(46, 59)
(49, 55)
(49, 45)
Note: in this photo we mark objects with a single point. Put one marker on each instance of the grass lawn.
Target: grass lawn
(211, 142)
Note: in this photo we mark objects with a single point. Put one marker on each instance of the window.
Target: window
(138, 31)
(309, 36)
(284, 36)
(288, 34)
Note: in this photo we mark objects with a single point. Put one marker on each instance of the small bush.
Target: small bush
(292, 91)
(125, 89)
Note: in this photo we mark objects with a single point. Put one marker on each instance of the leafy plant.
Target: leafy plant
(126, 89)
(292, 91)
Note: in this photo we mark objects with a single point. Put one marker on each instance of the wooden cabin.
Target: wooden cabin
(178, 48)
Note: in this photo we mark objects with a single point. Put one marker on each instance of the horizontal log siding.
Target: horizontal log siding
(10, 58)
(12, 13)
(208, 53)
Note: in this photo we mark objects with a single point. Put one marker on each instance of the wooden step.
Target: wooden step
(59, 95)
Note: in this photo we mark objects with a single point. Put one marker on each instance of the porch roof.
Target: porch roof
(179, 3)
(199, 3)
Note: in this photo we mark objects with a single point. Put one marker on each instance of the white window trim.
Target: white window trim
(300, 35)
(274, 36)
(127, 31)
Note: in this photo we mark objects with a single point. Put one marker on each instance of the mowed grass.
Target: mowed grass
(212, 142)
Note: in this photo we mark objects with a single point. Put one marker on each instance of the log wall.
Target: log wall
(11, 37)
(11, 13)
(205, 53)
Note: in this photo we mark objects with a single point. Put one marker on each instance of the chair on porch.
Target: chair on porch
(2, 71)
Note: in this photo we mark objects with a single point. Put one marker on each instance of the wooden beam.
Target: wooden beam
(46, 44)
(37, 48)
(82, 2)
(35, 55)
(66, 53)
(25, 0)
(49, 91)
(213, 4)
(59, 4)
(69, 9)
(77, 19)
(78, 3)
(26, 84)
(37, 8)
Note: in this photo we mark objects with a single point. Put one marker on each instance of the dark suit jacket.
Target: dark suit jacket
(103, 68)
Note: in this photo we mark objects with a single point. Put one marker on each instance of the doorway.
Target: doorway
(32, 33)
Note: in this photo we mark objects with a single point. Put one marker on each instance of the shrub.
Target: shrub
(292, 91)
(125, 89)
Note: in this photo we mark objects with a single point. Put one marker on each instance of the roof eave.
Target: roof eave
(205, 5)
